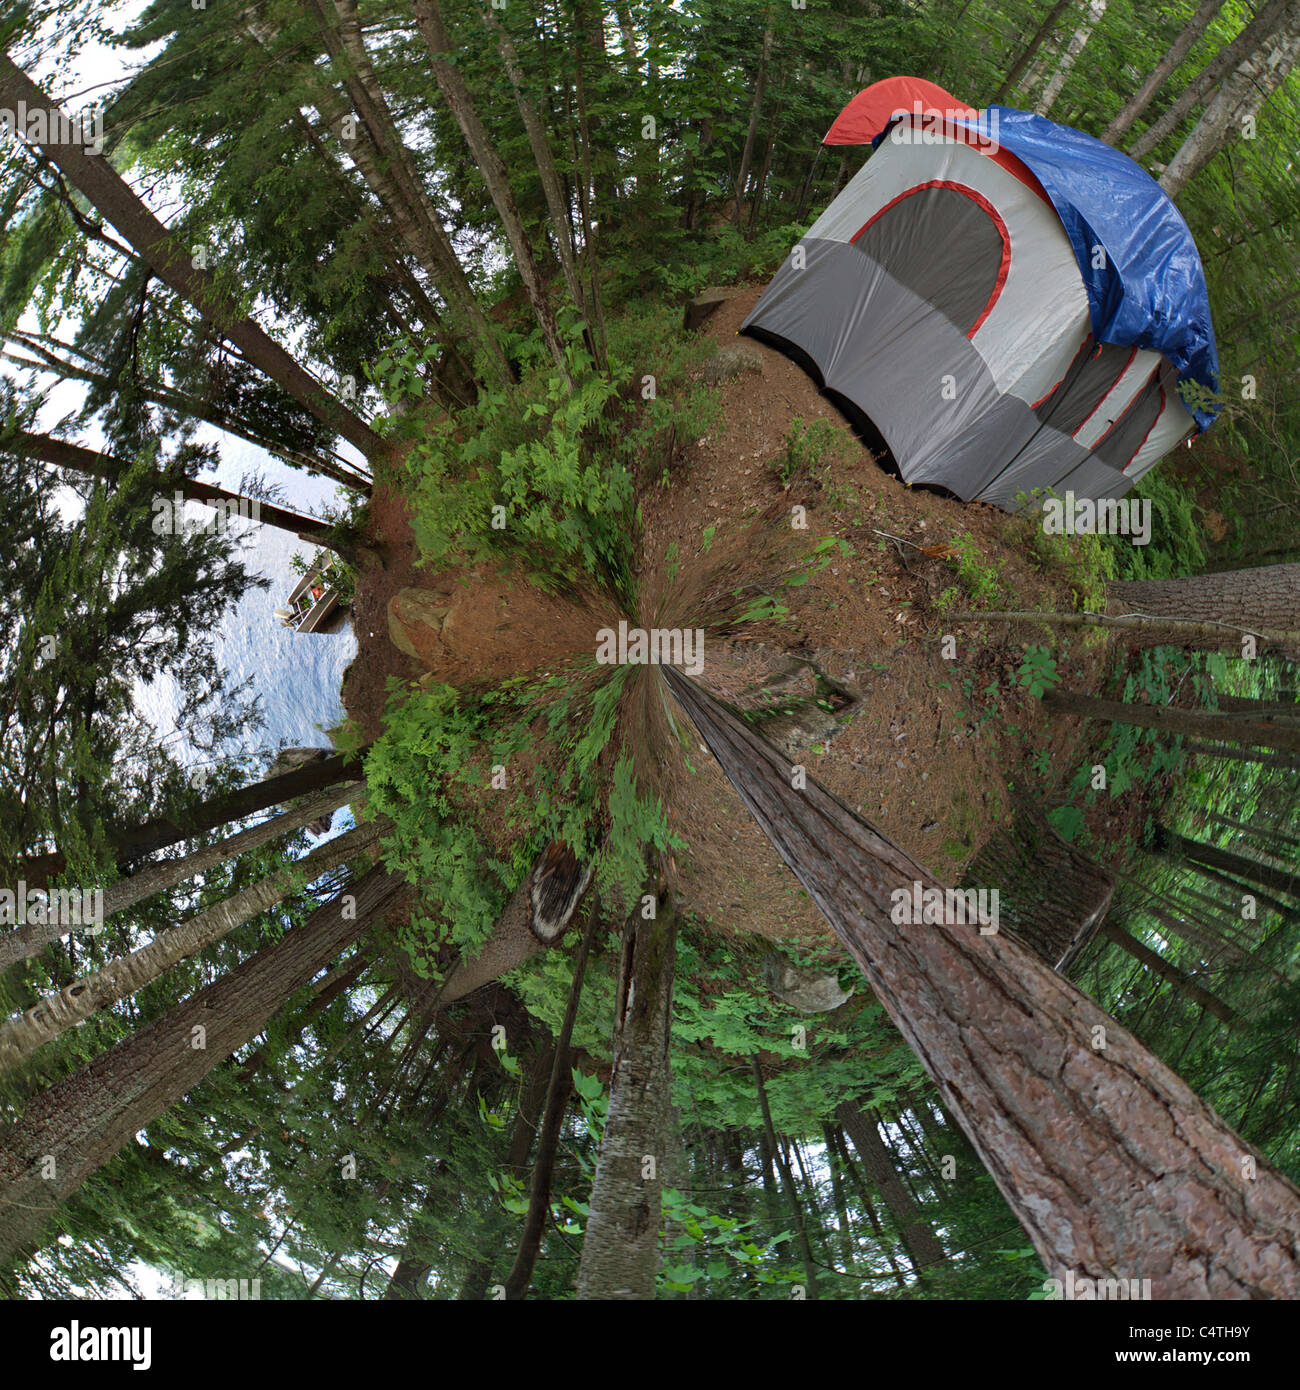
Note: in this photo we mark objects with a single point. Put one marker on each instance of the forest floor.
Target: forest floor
(922, 746)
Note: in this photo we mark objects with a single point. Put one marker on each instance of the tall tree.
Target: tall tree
(1265, 22)
(71, 1130)
(1182, 45)
(1014, 1051)
(20, 1037)
(620, 1250)
(923, 1246)
(456, 93)
(1232, 109)
(1078, 41)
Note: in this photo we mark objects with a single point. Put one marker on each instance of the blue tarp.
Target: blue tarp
(1149, 289)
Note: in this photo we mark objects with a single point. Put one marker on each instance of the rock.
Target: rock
(705, 304)
(731, 361)
(809, 991)
(415, 620)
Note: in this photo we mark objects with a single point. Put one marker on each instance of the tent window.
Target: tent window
(1120, 444)
(1096, 368)
(946, 243)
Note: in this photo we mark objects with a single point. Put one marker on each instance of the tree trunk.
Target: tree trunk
(1242, 755)
(1030, 50)
(751, 134)
(1211, 856)
(548, 1137)
(1163, 70)
(532, 1100)
(543, 157)
(75, 1127)
(96, 180)
(787, 1182)
(65, 455)
(24, 942)
(455, 92)
(883, 1240)
(620, 1251)
(134, 842)
(1267, 730)
(844, 1231)
(1142, 631)
(1167, 971)
(1237, 101)
(389, 169)
(1016, 1054)
(922, 1245)
(85, 996)
(1050, 896)
(1078, 42)
(196, 407)
(1266, 22)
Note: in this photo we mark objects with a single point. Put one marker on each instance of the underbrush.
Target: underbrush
(537, 473)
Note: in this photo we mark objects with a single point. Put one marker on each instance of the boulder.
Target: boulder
(415, 622)
(730, 361)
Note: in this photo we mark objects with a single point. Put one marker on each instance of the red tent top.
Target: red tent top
(874, 107)
(870, 111)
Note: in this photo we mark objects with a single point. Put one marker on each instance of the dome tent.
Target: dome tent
(1006, 303)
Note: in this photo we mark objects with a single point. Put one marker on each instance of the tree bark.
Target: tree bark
(24, 942)
(548, 1136)
(95, 179)
(75, 1127)
(1265, 22)
(134, 842)
(1142, 631)
(1050, 896)
(1267, 730)
(1163, 70)
(456, 93)
(1249, 599)
(620, 1251)
(75, 1003)
(1237, 100)
(1114, 1167)
(919, 1240)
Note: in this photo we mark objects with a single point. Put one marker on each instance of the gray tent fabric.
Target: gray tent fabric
(939, 301)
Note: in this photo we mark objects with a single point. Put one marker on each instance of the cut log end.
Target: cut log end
(558, 883)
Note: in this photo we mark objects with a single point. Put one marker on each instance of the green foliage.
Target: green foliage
(636, 823)
(981, 578)
(1037, 672)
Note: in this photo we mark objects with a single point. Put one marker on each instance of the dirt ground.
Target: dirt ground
(924, 747)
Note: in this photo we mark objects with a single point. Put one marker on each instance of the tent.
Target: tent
(1006, 304)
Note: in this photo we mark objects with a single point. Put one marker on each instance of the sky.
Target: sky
(297, 677)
